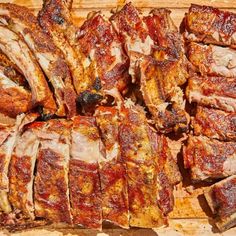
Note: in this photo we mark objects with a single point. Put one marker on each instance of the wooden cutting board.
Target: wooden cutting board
(188, 217)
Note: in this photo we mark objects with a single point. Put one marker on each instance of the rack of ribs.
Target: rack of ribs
(212, 60)
(209, 159)
(215, 124)
(221, 198)
(217, 92)
(210, 25)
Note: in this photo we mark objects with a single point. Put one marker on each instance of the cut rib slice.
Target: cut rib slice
(23, 22)
(51, 192)
(85, 192)
(112, 171)
(213, 60)
(217, 92)
(221, 197)
(209, 159)
(215, 124)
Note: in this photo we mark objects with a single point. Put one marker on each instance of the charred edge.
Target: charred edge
(43, 116)
(97, 85)
(87, 98)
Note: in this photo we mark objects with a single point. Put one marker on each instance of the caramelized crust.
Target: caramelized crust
(209, 158)
(210, 25)
(215, 124)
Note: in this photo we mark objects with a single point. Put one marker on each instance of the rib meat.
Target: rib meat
(85, 192)
(213, 60)
(23, 22)
(209, 158)
(210, 25)
(215, 124)
(112, 171)
(217, 92)
(221, 197)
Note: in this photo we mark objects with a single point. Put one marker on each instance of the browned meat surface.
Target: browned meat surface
(212, 60)
(210, 25)
(209, 158)
(215, 124)
(217, 92)
(22, 21)
(221, 198)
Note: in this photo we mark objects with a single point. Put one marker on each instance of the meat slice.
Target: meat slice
(162, 95)
(85, 191)
(215, 124)
(210, 25)
(21, 174)
(23, 22)
(140, 160)
(217, 92)
(221, 197)
(213, 60)
(51, 192)
(209, 158)
(112, 171)
(9, 136)
(18, 52)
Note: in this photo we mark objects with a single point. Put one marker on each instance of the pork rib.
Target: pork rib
(209, 158)
(215, 124)
(213, 60)
(210, 25)
(221, 197)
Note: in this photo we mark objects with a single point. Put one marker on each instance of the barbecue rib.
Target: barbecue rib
(212, 60)
(215, 124)
(221, 197)
(51, 193)
(23, 22)
(217, 92)
(112, 172)
(210, 25)
(18, 52)
(209, 159)
(85, 192)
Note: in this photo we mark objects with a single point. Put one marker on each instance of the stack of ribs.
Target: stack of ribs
(210, 153)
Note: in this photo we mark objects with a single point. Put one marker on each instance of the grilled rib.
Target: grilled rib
(213, 60)
(210, 25)
(51, 193)
(112, 171)
(209, 158)
(18, 52)
(85, 192)
(215, 124)
(23, 22)
(221, 197)
(217, 92)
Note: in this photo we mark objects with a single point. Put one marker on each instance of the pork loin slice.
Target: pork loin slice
(21, 174)
(221, 197)
(215, 123)
(209, 158)
(18, 52)
(22, 21)
(140, 159)
(212, 60)
(85, 191)
(217, 92)
(114, 186)
(51, 190)
(210, 25)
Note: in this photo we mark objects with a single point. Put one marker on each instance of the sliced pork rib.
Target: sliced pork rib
(209, 158)
(215, 123)
(210, 25)
(112, 171)
(221, 198)
(51, 192)
(212, 60)
(85, 191)
(217, 92)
